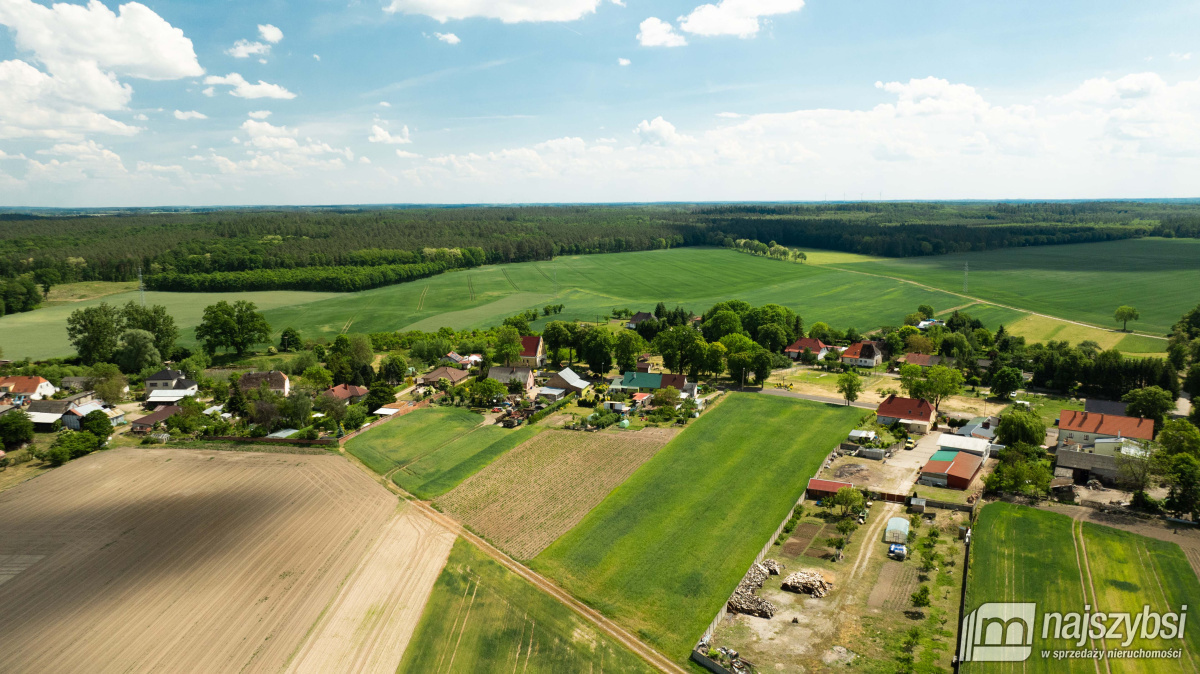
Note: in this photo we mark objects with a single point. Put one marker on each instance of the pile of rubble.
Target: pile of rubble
(808, 582)
(744, 600)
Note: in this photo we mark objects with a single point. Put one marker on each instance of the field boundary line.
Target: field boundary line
(604, 624)
(980, 300)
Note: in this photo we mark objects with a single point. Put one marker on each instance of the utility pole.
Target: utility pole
(966, 270)
(141, 286)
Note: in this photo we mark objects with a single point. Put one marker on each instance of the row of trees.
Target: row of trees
(335, 279)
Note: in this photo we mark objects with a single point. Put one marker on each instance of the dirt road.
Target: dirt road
(1188, 538)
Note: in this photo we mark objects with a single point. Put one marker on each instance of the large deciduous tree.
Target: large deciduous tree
(629, 345)
(1005, 382)
(1124, 314)
(1021, 426)
(849, 384)
(1151, 402)
(155, 320)
(137, 352)
(236, 326)
(595, 348)
(508, 345)
(94, 331)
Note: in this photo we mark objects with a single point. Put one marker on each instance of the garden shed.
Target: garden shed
(897, 531)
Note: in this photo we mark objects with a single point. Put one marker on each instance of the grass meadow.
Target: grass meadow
(1082, 282)
(482, 617)
(1020, 554)
(431, 450)
(664, 550)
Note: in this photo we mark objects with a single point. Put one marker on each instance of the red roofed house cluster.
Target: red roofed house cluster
(1084, 428)
(915, 414)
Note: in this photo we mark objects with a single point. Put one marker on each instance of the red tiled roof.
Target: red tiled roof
(529, 345)
(827, 485)
(905, 408)
(347, 391)
(922, 359)
(1106, 424)
(965, 465)
(938, 467)
(860, 350)
(22, 384)
(814, 345)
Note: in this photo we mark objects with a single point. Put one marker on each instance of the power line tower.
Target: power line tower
(141, 286)
(966, 270)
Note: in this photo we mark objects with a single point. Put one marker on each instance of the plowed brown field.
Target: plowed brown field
(175, 560)
(536, 492)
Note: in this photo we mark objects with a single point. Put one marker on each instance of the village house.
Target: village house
(452, 374)
(925, 360)
(275, 380)
(816, 346)
(863, 354)
(504, 375)
(73, 418)
(569, 381)
(533, 351)
(164, 379)
(980, 427)
(952, 442)
(637, 318)
(465, 362)
(822, 489)
(147, 423)
(1085, 428)
(914, 414)
(348, 393)
(179, 389)
(648, 382)
(21, 389)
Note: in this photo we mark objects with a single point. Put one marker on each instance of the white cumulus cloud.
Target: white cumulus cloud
(270, 33)
(654, 32)
(448, 38)
(190, 114)
(735, 17)
(508, 11)
(260, 114)
(382, 135)
(243, 89)
(407, 155)
(623, 62)
(659, 132)
(85, 51)
(245, 49)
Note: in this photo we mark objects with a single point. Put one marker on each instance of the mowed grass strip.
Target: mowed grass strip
(482, 617)
(412, 436)
(441, 471)
(1021, 554)
(665, 550)
(532, 495)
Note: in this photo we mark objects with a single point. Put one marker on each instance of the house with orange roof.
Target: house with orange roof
(22, 389)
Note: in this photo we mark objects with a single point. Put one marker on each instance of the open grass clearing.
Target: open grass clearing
(482, 617)
(87, 290)
(429, 451)
(535, 493)
(1021, 554)
(663, 552)
(1044, 329)
(180, 560)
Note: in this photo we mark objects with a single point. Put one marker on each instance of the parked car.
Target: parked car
(910, 444)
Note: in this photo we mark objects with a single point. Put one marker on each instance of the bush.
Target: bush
(309, 433)
(356, 414)
(1146, 503)
(538, 416)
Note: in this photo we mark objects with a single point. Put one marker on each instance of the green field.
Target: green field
(1082, 282)
(432, 450)
(1020, 554)
(588, 286)
(482, 617)
(663, 551)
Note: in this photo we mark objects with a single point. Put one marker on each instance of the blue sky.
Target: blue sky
(466, 101)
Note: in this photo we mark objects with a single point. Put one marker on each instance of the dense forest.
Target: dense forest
(353, 249)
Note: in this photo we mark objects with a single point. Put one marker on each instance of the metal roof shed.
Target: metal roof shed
(897, 531)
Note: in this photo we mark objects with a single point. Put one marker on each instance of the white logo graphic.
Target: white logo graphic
(998, 633)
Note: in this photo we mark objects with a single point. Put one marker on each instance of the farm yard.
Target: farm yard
(429, 451)
(1023, 554)
(482, 617)
(868, 614)
(663, 552)
(535, 493)
(173, 560)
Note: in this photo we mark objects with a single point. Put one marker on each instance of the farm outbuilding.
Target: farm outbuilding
(897, 531)
(820, 489)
